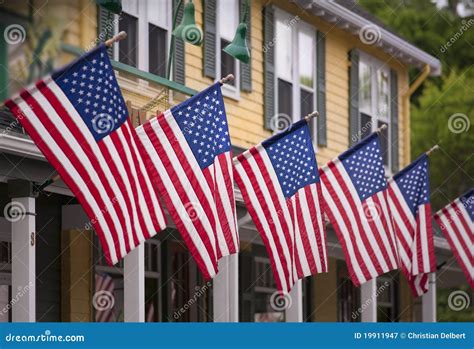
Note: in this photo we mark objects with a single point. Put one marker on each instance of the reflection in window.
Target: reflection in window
(228, 17)
(284, 61)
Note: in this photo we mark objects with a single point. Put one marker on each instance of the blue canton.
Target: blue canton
(363, 163)
(202, 120)
(292, 155)
(90, 85)
(468, 202)
(414, 183)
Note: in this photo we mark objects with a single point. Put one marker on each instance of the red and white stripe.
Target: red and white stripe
(107, 177)
(104, 298)
(458, 228)
(414, 239)
(200, 202)
(292, 229)
(363, 228)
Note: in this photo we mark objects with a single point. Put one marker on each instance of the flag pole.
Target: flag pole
(120, 36)
(432, 149)
(311, 115)
(226, 79)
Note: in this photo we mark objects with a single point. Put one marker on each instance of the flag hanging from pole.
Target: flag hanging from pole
(456, 223)
(409, 193)
(77, 117)
(280, 185)
(354, 190)
(190, 158)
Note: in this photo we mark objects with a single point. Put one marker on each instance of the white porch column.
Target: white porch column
(226, 290)
(21, 214)
(294, 313)
(368, 301)
(428, 301)
(134, 285)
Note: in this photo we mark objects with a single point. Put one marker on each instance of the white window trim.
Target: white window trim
(376, 65)
(143, 49)
(230, 91)
(283, 16)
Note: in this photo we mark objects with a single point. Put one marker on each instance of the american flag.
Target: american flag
(409, 193)
(77, 117)
(354, 189)
(191, 160)
(104, 298)
(280, 185)
(456, 221)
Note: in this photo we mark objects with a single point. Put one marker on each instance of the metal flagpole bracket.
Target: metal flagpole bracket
(226, 79)
(314, 114)
(432, 149)
(46, 183)
(381, 128)
(120, 36)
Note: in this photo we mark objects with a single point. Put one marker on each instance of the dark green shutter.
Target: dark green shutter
(269, 62)
(106, 27)
(394, 119)
(354, 124)
(321, 88)
(178, 65)
(246, 69)
(210, 38)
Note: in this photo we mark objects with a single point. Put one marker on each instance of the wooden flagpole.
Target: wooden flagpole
(314, 114)
(432, 149)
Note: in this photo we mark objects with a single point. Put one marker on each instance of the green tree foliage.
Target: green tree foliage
(440, 102)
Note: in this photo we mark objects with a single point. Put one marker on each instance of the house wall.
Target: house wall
(246, 127)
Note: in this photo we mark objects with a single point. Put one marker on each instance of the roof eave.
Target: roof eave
(349, 21)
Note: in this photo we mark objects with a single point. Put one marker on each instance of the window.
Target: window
(387, 297)
(228, 20)
(108, 295)
(295, 65)
(374, 102)
(348, 296)
(256, 287)
(148, 25)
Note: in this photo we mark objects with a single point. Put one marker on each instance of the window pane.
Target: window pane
(283, 51)
(365, 87)
(307, 106)
(383, 95)
(158, 12)
(365, 125)
(384, 142)
(228, 19)
(227, 63)
(128, 47)
(157, 50)
(306, 57)
(285, 98)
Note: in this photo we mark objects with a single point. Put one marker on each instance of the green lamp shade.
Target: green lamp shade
(238, 47)
(114, 6)
(188, 30)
